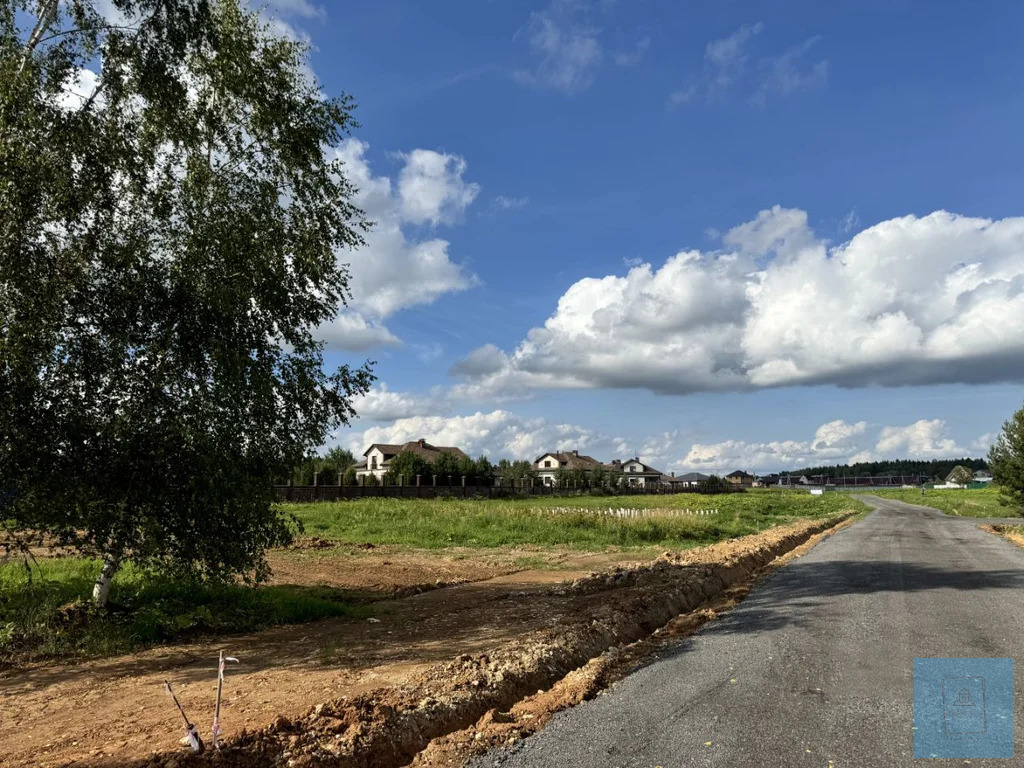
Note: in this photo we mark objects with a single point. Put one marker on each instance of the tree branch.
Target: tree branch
(47, 15)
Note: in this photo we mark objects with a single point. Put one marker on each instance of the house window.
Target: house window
(373, 462)
(547, 463)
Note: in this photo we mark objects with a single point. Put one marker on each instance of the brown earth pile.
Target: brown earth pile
(389, 727)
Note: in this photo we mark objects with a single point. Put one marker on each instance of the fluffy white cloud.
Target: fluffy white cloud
(431, 188)
(935, 299)
(566, 48)
(836, 442)
(397, 270)
(499, 434)
(79, 89)
(351, 331)
(383, 404)
(924, 439)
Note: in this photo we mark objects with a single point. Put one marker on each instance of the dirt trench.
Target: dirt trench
(584, 628)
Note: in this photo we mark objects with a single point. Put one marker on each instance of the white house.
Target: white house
(379, 455)
(637, 474)
(547, 465)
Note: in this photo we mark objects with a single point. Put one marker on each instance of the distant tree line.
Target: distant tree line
(325, 468)
(937, 468)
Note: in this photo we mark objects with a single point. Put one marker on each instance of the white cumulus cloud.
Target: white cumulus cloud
(399, 267)
(913, 300)
(837, 442)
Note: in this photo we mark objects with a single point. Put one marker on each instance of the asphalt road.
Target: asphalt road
(822, 655)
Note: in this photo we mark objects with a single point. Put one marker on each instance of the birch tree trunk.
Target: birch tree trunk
(101, 589)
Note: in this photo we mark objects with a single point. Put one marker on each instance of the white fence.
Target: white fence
(624, 512)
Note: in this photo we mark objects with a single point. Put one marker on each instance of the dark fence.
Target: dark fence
(307, 493)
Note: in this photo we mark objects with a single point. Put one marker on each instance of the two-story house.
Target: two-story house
(379, 455)
(547, 465)
(637, 474)
(741, 478)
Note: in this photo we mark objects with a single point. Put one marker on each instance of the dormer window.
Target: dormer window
(547, 462)
(373, 462)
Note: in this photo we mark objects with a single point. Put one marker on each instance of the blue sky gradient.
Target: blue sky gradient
(579, 139)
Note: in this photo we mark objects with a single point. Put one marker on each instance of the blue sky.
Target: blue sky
(721, 235)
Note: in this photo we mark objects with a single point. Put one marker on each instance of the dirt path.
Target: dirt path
(116, 708)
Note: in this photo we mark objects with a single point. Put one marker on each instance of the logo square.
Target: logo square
(963, 708)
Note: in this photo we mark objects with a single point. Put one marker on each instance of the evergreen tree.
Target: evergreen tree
(1006, 458)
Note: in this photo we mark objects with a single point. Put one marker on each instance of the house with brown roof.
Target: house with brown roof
(547, 465)
(636, 474)
(741, 478)
(378, 456)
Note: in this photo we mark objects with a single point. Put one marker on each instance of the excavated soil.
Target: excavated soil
(496, 729)
(510, 658)
(114, 710)
(1008, 532)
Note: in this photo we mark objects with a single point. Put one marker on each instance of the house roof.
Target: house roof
(692, 477)
(420, 447)
(739, 473)
(959, 468)
(647, 469)
(572, 460)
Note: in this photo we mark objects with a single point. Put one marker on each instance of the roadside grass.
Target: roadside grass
(570, 522)
(44, 612)
(968, 502)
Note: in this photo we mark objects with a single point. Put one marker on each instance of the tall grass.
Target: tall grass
(433, 523)
(44, 612)
(967, 502)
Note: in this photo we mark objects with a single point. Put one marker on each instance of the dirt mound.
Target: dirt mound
(599, 613)
(113, 710)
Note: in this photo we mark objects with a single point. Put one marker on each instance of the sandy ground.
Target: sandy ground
(113, 709)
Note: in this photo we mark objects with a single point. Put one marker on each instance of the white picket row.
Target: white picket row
(624, 512)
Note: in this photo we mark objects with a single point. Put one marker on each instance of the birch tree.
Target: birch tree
(170, 217)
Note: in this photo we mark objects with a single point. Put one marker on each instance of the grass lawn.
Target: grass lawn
(976, 502)
(434, 523)
(48, 616)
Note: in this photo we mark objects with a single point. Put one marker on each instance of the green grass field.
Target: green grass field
(47, 616)
(433, 523)
(977, 502)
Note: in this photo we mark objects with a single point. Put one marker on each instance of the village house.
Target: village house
(741, 478)
(636, 474)
(547, 465)
(690, 479)
(379, 455)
